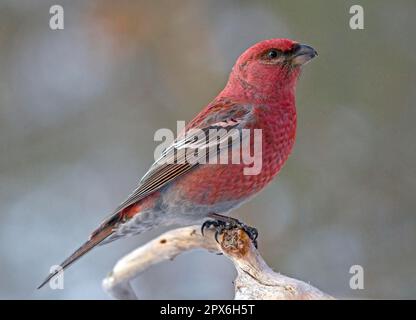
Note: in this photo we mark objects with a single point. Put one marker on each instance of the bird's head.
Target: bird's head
(270, 66)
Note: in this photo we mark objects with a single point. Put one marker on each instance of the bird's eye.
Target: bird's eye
(272, 54)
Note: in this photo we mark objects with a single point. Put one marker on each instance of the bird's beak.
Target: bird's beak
(302, 54)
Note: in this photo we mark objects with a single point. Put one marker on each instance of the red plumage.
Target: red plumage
(260, 94)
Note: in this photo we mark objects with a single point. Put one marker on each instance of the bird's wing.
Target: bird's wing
(173, 162)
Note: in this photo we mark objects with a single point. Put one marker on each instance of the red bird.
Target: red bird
(260, 94)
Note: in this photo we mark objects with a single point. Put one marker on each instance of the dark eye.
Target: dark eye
(272, 54)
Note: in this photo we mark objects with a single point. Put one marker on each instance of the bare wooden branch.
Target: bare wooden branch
(255, 279)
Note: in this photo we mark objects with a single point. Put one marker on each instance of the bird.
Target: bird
(259, 94)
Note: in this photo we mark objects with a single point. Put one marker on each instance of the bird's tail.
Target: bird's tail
(96, 238)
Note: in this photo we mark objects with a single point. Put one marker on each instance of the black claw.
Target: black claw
(252, 232)
(204, 225)
(231, 223)
(207, 224)
(216, 236)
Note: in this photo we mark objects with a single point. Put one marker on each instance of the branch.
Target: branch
(255, 279)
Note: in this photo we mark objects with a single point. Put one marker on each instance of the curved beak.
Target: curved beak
(302, 54)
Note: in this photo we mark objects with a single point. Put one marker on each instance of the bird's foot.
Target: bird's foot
(222, 223)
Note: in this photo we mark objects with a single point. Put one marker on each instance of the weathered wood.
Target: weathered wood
(255, 279)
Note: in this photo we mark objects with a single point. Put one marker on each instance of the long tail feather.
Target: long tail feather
(95, 239)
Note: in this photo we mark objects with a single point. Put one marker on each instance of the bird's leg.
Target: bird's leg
(231, 223)
(222, 223)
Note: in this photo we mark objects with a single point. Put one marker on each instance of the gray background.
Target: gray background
(79, 107)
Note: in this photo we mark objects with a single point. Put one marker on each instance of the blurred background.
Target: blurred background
(79, 108)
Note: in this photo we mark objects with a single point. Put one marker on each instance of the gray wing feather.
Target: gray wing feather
(169, 165)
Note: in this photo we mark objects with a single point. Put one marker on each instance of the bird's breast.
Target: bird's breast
(215, 183)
